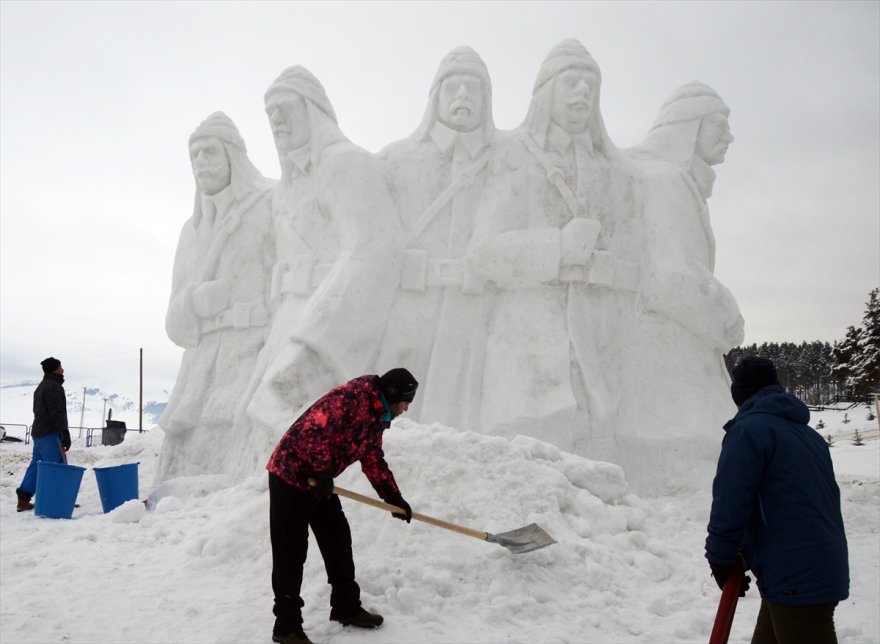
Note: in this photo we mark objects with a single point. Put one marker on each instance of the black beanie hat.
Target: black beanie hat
(751, 374)
(50, 364)
(398, 385)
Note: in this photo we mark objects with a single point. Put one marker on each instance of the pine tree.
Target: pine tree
(857, 438)
(846, 355)
(867, 367)
(830, 440)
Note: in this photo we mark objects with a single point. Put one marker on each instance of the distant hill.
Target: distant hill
(16, 406)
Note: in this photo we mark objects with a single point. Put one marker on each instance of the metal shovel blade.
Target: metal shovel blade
(531, 537)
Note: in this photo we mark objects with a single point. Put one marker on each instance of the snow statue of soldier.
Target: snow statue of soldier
(436, 177)
(219, 308)
(687, 318)
(337, 244)
(554, 234)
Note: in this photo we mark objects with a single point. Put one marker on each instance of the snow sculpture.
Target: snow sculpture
(537, 281)
(219, 298)
(687, 318)
(555, 236)
(436, 177)
(337, 241)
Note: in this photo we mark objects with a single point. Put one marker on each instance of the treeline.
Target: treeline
(819, 372)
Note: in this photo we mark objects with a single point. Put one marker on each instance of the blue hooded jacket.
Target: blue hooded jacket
(776, 500)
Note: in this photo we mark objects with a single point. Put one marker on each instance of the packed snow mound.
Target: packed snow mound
(196, 566)
(419, 575)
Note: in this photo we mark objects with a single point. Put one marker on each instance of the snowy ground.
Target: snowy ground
(196, 568)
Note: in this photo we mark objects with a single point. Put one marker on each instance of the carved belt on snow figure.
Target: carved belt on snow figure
(421, 272)
(604, 270)
(243, 315)
(301, 276)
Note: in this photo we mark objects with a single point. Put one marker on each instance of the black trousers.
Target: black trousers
(291, 513)
(783, 624)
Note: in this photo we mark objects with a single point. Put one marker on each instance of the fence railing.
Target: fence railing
(113, 437)
(27, 429)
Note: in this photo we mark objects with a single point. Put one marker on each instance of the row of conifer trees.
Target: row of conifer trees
(821, 372)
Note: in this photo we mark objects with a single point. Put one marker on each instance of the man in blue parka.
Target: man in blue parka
(775, 500)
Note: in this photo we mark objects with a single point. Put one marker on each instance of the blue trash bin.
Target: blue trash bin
(117, 484)
(57, 488)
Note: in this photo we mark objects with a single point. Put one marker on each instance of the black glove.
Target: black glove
(722, 572)
(396, 499)
(323, 482)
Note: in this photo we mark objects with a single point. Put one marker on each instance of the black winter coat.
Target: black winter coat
(50, 409)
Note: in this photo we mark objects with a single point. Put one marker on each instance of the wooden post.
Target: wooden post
(141, 405)
(82, 414)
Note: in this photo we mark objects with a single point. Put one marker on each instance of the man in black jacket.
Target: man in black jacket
(49, 432)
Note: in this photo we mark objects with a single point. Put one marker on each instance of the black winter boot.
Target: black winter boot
(361, 619)
(293, 638)
(24, 501)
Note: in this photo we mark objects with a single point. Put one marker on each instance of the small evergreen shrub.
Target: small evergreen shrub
(857, 438)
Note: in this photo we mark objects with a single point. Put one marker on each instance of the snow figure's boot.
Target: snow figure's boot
(24, 500)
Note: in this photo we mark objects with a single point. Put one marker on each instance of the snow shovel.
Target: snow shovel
(727, 604)
(517, 541)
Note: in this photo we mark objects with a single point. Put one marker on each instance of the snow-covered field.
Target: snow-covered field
(196, 566)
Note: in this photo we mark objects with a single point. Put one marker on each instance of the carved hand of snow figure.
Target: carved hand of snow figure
(299, 372)
(734, 330)
(210, 298)
(579, 240)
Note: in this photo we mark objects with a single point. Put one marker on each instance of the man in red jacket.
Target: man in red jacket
(343, 426)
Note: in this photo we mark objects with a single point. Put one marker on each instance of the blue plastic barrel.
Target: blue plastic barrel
(57, 488)
(117, 484)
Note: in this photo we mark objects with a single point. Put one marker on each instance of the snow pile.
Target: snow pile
(195, 566)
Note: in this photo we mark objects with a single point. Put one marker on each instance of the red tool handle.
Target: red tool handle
(727, 605)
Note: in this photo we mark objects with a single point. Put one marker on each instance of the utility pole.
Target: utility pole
(104, 413)
(82, 414)
(141, 417)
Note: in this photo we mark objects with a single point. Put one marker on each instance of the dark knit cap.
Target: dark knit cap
(750, 375)
(398, 385)
(50, 364)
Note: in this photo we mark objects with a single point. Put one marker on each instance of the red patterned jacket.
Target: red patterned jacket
(343, 426)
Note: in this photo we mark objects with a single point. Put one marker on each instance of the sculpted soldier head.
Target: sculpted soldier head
(460, 96)
(698, 118)
(566, 92)
(300, 113)
(219, 157)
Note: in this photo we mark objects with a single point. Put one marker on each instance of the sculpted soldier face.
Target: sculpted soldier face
(289, 120)
(460, 102)
(713, 139)
(210, 164)
(574, 94)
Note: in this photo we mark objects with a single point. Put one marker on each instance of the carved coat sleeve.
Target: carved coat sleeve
(364, 279)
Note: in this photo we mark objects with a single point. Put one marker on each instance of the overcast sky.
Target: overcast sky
(97, 101)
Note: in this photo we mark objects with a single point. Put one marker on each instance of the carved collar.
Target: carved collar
(447, 139)
(560, 141)
(215, 207)
(300, 159)
(703, 175)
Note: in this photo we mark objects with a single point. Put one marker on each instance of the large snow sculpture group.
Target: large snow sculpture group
(537, 281)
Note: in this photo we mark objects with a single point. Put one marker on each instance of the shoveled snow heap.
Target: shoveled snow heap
(196, 566)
